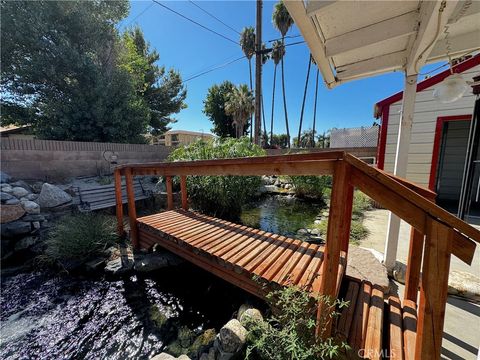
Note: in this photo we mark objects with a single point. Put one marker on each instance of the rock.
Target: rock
(25, 243)
(315, 232)
(31, 197)
(52, 196)
(4, 177)
(208, 356)
(118, 266)
(317, 221)
(36, 225)
(183, 357)
(19, 192)
(22, 184)
(249, 316)
(16, 228)
(6, 188)
(9, 213)
(185, 336)
(37, 187)
(155, 261)
(4, 197)
(13, 201)
(232, 336)
(288, 186)
(163, 356)
(464, 284)
(31, 207)
(203, 342)
(302, 232)
(34, 217)
(95, 264)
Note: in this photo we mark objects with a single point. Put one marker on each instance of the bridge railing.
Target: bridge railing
(435, 231)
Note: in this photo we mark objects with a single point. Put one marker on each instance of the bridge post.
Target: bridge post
(433, 289)
(132, 212)
(414, 264)
(338, 233)
(183, 189)
(169, 193)
(118, 201)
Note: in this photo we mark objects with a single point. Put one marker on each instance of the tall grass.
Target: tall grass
(81, 236)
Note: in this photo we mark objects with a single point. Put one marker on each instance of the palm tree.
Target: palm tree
(304, 98)
(265, 57)
(240, 105)
(278, 51)
(283, 22)
(315, 108)
(247, 43)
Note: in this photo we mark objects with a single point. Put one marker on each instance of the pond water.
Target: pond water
(281, 214)
(45, 316)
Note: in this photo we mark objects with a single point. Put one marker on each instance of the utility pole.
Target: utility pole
(258, 75)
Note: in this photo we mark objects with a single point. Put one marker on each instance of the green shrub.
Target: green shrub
(357, 231)
(361, 203)
(311, 186)
(290, 332)
(221, 196)
(79, 237)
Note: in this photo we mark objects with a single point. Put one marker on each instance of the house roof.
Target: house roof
(13, 129)
(186, 132)
(425, 84)
(355, 39)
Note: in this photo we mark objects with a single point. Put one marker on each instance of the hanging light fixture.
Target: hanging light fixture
(451, 89)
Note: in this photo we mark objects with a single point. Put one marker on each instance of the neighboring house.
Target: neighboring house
(16, 132)
(438, 141)
(180, 137)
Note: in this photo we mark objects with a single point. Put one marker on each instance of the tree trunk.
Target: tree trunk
(273, 103)
(315, 109)
(285, 100)
(264, 124)
(303, 102)
(251, 89)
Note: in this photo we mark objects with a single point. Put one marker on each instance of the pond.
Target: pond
(51, 317)
(281, 214)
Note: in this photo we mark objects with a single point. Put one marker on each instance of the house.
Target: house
(439, 137)
(16, 132)
(181, 137)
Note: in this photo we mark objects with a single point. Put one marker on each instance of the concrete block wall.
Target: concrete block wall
(51, 160)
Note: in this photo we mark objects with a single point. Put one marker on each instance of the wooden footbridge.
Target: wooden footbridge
(375, 327)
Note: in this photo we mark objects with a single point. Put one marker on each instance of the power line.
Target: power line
(213, 69)
(213, 16)
(140, 14)
(286, 37)
(195, 22)
(230, 62)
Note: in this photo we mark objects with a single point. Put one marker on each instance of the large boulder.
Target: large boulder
(155, 260)
(19, 192)
(31, 207)
(4, 177)
(233, 336)
(22, 184)
(16, 228)
(9, 213)
(52, 196)
(247, 315)
(4, 197)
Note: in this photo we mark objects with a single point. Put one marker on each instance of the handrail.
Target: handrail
(435, 231)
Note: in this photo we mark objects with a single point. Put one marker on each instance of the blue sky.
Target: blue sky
(190, 50)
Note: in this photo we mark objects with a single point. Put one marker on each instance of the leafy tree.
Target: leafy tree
(162, 90)
(306, 139)
(279, 141)
(214, 108)
(240, 104)
(283, 22)
(66, 72)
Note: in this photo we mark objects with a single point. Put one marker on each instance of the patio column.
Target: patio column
(401, 162)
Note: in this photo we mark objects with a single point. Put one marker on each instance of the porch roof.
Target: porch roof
(355, 39)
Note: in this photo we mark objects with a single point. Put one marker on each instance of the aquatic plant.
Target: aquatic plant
(220, 196)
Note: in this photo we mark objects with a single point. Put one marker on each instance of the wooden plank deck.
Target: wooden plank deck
(235, 252)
